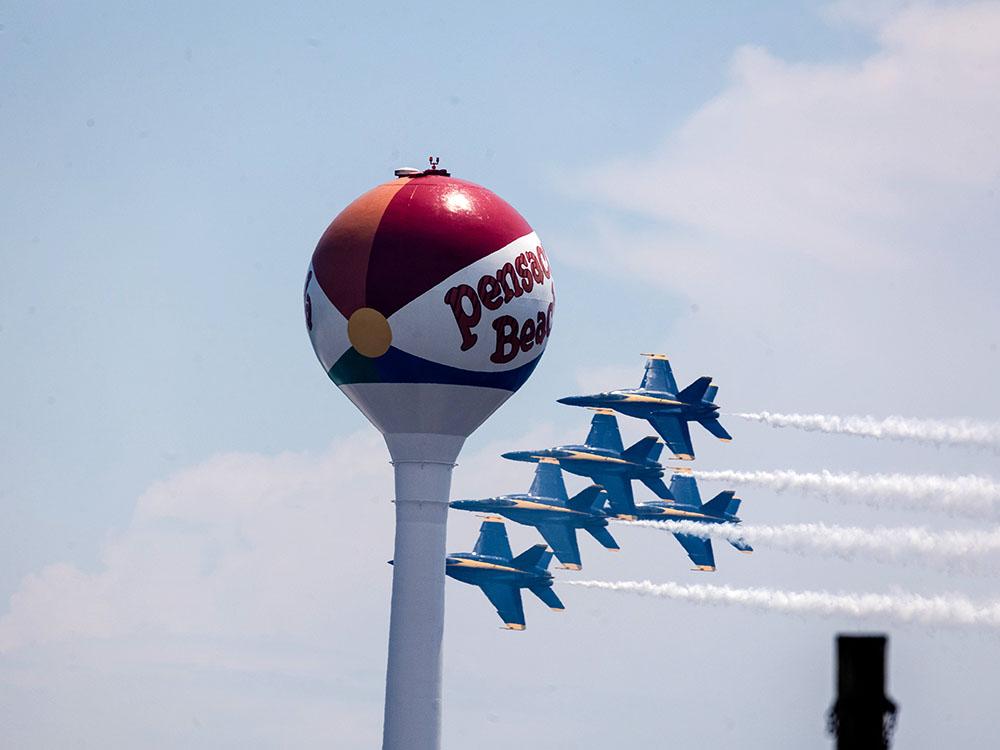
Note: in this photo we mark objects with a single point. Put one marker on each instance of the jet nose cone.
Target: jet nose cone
(576, 400)
(517, 455)
(463, 504)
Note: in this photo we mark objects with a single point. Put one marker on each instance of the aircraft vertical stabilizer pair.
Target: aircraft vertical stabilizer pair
(612, 468)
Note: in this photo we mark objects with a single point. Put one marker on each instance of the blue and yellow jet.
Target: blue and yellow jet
(667, 408)
(687, 506)
(606, 462)
(501, 576)
(548, 508)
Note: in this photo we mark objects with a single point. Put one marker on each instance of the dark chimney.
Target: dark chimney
(863, 716)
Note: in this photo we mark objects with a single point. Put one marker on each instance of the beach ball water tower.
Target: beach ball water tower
(429, 301)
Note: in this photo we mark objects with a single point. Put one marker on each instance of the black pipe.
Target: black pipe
(862, 716)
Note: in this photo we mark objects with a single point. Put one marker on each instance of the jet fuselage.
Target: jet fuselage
(641, 402)
(586, 461)
(531, 510)
(664, 511)
(469, 567)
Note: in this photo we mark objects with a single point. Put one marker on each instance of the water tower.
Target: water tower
(429, 301)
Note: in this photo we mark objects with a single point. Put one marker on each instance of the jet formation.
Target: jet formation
(612, 468)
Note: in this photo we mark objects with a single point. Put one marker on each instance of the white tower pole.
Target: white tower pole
(423, 466)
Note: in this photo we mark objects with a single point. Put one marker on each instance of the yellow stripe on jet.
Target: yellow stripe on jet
(529, 505)
(464, 563)
(635, 398)
(684, 513)
(593, 457)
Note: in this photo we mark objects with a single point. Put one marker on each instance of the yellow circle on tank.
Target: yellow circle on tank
(369, 332)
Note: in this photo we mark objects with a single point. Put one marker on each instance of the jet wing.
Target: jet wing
(548, 481)
(562, 539)
(507, 599)
(675, 434)
(699, 550)
(493, 539)
(619, 489)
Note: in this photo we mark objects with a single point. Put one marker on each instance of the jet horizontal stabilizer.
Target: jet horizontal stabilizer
(658, 487)
(547, 595)
(741, 545)
(603, 536)
(715, 427)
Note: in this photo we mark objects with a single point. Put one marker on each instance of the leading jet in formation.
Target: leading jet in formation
(687, 506)
(606, 462)
(501, 576)
(548, 507)
(667, 408)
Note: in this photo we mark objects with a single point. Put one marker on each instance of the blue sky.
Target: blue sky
(799, 199)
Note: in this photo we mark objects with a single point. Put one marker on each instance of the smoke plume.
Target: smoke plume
(935, 432)
(954, 550)
(967, 495)
(899, 608)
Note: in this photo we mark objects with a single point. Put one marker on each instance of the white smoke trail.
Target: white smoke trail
(953, 550)
(901, 607)
(936, 432)
(968, 494)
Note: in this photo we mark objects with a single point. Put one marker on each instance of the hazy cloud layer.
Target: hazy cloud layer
(832, 222)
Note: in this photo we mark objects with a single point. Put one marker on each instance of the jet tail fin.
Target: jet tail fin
(658, 487)
(538, 556)
(718, 505)
(589, 499)
(548, 596)
(710, 393)
(734, 507)
(696, 391)
(649, 447)
(603, 536)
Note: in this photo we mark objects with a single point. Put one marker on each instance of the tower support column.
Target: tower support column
(416, 623)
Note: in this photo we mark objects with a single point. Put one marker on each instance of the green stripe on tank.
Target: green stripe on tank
(353, 367)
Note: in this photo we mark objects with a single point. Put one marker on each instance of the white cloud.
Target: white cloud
(834, 217)
(248, 546)
(242, 544)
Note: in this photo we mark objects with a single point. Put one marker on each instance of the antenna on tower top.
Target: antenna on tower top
(434, 168)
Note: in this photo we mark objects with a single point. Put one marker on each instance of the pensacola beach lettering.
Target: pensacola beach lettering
(511, 281)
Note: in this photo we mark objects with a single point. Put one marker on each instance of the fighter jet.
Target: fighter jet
(687, 506)
(663, 405)
(606, 462)
(501, 576)
(557, 516)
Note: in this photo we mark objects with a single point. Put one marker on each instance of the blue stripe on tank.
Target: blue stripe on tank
(397, 366)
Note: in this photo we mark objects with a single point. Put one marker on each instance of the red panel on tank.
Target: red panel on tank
(432, 227)
(341, 257)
